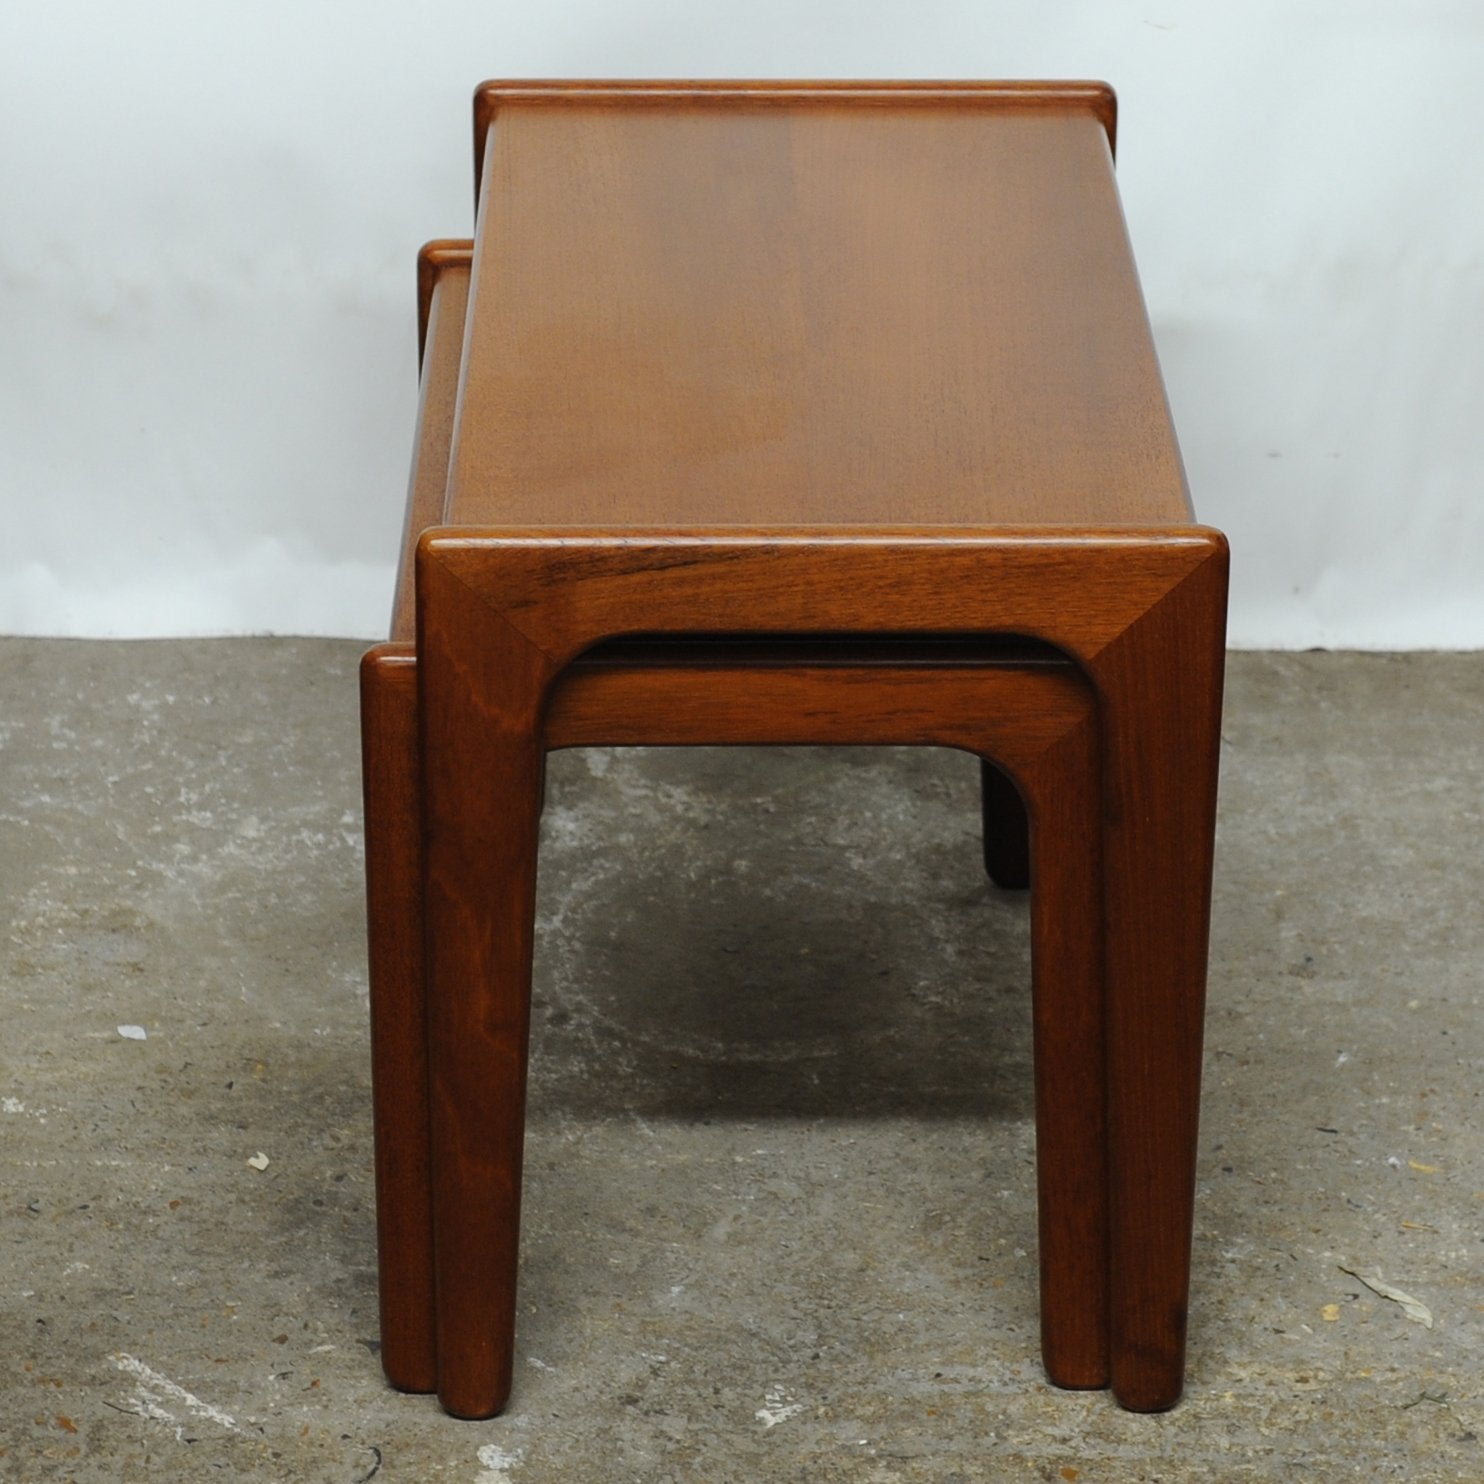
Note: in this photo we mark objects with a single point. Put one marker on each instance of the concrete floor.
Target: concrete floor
(779, 1220)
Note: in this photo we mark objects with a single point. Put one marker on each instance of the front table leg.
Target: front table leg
(482, 772)
(1161, 682)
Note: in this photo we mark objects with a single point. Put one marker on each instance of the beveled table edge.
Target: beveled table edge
(1097, 97)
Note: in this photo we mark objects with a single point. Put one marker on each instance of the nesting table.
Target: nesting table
(797, 412)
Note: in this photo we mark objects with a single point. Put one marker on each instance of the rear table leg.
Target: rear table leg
(399, 1053)
(1063, 788)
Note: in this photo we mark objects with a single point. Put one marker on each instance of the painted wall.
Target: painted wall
(210, 211)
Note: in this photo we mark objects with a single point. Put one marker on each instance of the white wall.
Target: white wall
(210, 209)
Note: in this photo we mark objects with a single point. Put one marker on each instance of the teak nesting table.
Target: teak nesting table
(797, 412)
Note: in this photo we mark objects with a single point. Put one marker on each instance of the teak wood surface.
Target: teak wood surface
(868, 366)
(733, 307)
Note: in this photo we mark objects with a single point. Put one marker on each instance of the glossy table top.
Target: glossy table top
(698, 309)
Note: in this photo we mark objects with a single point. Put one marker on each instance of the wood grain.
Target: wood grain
(1140, 612)
(805, 412)
(442, 303)
(399, 1063)
(1038, 722)
(914, 312)
(1030, 711)
(1020, 95)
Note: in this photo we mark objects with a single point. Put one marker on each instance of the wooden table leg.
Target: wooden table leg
(399, 1060)
(1161, 683)
(480, 692)
(1062, 788)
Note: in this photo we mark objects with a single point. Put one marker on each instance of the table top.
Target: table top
(796, 305)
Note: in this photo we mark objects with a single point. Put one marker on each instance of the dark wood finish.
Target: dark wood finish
(876, 308)
(1036, 716)
(1075, 1346)
(442, 303)
(1097, 98)
(399, 1066)
(500, 616)
(1039, 722)
(394, 860)
(776, 405)
(433, 260)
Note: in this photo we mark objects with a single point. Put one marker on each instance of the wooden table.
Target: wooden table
(752, 366)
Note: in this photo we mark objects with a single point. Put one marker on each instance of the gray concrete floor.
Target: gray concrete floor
(779, 1218)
